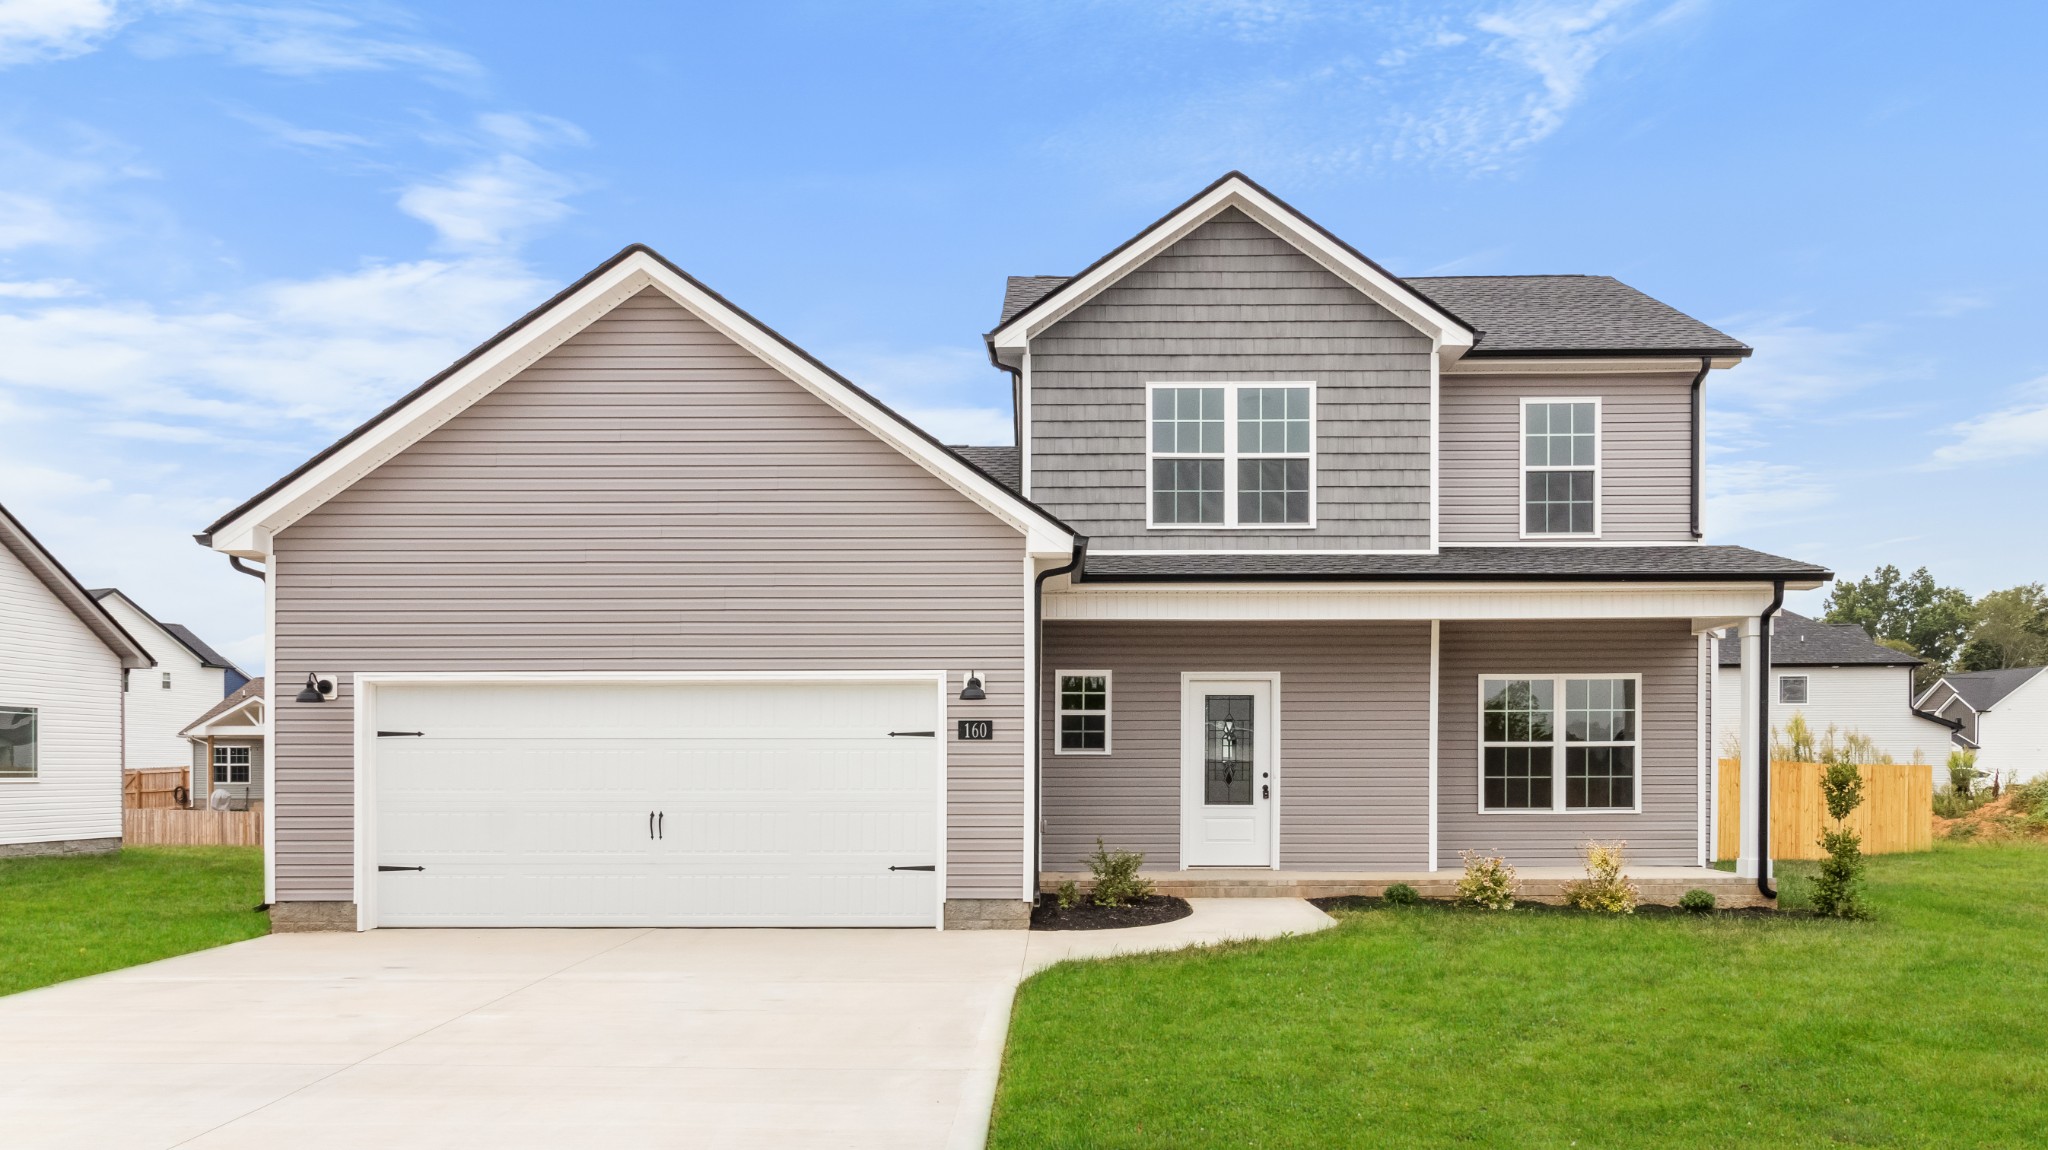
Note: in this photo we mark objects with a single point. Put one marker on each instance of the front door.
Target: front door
(1226, 772)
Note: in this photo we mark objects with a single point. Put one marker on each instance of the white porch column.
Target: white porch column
(1756, 743)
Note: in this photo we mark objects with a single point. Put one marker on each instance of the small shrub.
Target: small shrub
(1837, 885)
(1401, 894)
(2031, 798)
(1604, 888)
(1489, 881)
(1116, 876)
(1951, 805)
(1962, 771)
(1068, 896)
(1697, 901)
(1797, 743)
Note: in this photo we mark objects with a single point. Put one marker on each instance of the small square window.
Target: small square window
(167, 680)
(1792, 689)
(231, 764)
(1083, 715)
(17, 742)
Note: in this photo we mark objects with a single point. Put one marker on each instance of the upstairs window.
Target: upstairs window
(1232, 455)
(17, 742)
(1561, 467)
(1792, 689)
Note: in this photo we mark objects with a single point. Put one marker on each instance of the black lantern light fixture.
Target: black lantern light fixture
(318, 689)
(972, 692)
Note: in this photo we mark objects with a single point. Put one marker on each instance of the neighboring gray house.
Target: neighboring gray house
(2002, 715)
(226, 745)
(639, 614)
(1834, 675)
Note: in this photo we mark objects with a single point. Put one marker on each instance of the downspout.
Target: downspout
(1037, 725)
(1698, 382)
(1763, 741)
(235, 561)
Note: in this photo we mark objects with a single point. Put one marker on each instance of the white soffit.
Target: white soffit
(249, 534)
(1696, 603)
(1450, 338)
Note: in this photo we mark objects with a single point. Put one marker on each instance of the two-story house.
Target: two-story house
(639, 614)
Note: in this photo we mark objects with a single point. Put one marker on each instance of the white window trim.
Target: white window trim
(1059, 711)
(1557, 743)
(27, 780)
(1230, 455)
(1522, 473)
(1806, 686)
(248, 765)
(167, 681)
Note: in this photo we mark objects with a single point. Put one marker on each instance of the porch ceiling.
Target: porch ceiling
(1705, 605)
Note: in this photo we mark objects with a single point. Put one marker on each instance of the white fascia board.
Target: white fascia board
(1589, 365)
(1449, 337)
(241, 710)
(1420, 601)
(249, 534)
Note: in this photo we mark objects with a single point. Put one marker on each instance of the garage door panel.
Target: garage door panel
(776, 804)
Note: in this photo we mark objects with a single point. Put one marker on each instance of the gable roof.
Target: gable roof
(1524, 315)
(1983, 690)
(251, 691)
(44, 566)
(1797, 641)
(1451, 334)
(248, 528)
(207, 656)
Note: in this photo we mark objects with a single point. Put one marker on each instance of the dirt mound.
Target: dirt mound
(1995, 820)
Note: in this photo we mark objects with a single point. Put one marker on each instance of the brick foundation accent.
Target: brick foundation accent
(987, 914)
(301, 917)
(60, 847)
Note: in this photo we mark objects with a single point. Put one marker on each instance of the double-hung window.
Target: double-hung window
(1561, 467)
(231, 764)
(1232, 454)
(1558, 743)
(17, 742)
(1083, 716)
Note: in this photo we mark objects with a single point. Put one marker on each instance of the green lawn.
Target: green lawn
(69, 917)
(1432, 1026)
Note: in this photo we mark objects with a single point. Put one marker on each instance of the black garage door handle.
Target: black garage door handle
(927, 866)
(385, 868)
(913, 734)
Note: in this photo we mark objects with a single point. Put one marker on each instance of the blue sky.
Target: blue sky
(228, 232)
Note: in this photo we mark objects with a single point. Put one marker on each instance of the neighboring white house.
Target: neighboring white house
(227, 748)
(1834, 675)
(189, 678)
(2003, 716)
(62, 665)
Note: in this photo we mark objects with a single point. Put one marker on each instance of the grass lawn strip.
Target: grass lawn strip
(69, 916)
(1422, 1026)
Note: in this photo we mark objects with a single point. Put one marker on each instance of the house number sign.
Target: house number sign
(977, 730)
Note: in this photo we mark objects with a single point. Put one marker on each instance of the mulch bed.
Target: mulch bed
(1150, 911)
(1646, 910)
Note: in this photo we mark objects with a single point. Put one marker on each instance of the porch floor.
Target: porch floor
(1660, 885)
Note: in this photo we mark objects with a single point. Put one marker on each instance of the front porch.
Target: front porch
(1661, 885)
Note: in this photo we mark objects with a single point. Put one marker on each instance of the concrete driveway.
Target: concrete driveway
(547, 1038)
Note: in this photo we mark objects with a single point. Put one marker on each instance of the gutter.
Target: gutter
(1037, 730)
(1763, 738)
(236, 562)
(1706, 365)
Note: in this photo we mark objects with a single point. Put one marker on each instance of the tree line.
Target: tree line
(1943, 625)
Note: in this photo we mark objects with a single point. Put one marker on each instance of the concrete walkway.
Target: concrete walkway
(549, 1038)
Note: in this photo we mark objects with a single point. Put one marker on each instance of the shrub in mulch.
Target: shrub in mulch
(1151, 910)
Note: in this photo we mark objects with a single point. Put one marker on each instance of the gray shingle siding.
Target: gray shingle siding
(1233, 302)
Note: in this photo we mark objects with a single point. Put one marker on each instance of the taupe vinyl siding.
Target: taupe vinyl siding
(1232, 302)
(1664, 652)
(648, 497)
(1354, 755)
(1645, 442)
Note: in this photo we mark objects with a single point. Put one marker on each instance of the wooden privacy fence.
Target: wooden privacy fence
(158, 827)
(153, 788)
(1897, 814)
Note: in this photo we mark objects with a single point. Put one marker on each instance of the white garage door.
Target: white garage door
(667, 804)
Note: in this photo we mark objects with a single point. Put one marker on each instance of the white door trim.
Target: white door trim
(368, 683)
(1190, 679)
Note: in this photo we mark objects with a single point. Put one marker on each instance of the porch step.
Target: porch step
(1660, 886)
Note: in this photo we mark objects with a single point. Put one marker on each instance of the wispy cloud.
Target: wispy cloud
(54, 29)
(40, 289)
(305, 40)
(491, 205)
(2011, 432)
(927, 384)
(1745, 495)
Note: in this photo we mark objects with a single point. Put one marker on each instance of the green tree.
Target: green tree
(2011, 630)
(1931, 619)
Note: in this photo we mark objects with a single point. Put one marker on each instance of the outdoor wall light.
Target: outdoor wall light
(318, 689)
(972, 691)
